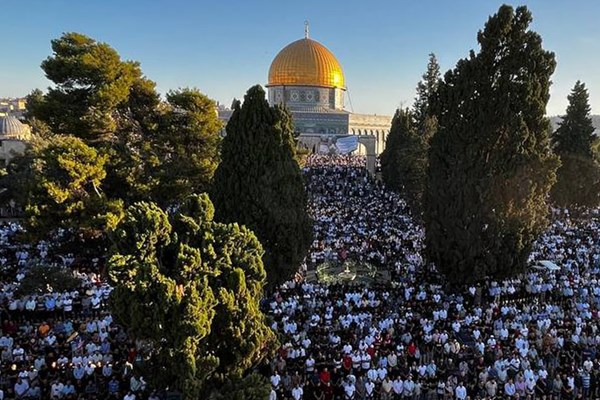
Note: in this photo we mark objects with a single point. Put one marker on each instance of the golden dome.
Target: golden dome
(306, 62)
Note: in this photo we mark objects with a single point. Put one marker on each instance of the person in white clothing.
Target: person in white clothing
(129, 396)
(297, 392)
(460, 392)
(275, 380)
(370, 389)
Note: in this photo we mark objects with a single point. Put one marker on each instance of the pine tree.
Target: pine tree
(259, 184)
(575, 134)
(579, 174)
(59, 183)
(426, 88)
(404, 160)
(190, 288)
(390, 157)
(491, 165)
(188, 143)
(91, 83)
(160, 151)
(426, 126)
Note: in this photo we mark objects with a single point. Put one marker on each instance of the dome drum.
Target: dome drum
(307, 97)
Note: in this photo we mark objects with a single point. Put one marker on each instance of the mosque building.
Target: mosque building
(14, 136)
(308, 79)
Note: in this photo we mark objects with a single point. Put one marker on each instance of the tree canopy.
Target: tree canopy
(259, 184)
(91, 82)
(575, 133)
(578, 181)
(188, 144)
(491, 165)
(404, 160)
(190, 288)
(59, 183)
(426, 89)
(144, 148)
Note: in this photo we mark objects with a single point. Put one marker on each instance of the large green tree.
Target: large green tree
(259, 184)
(390, 157)
(189, 288)
(579, 175)
(150, 149)
(106, 102)
(404, 160)
(575, 133)
(59, 184)
(91, 82)
(426, 89)
(160, 151)
(188, 145)
(491, 165)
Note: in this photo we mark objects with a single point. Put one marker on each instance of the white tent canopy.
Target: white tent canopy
(547, 265)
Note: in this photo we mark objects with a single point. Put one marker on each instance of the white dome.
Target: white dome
(12, 128)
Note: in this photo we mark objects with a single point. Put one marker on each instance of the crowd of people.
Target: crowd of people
(61, 344)
(533, 336)
(355, 217)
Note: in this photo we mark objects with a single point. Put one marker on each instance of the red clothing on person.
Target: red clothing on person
(325, 376)
(371, 351)
(327, 391)
(347, 362)
(132, 354)
(412, 349)
(9, 327)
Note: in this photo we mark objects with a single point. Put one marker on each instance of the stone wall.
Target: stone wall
(371, 124)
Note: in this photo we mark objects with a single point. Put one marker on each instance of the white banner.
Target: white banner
(347, 144)
(323, 148)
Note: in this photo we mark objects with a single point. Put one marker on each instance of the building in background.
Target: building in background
(16, 107)
(308, 79)
(14, 136)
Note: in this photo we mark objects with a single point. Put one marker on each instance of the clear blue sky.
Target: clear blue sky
(224, 47)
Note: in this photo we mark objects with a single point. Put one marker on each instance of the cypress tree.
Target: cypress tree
(190, 288)
(390, 157)
(579, 175)
(491, 164)
(404, 160)
(425, 90)
(259, 184)
(575, 134)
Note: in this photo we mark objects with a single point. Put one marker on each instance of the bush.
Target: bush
(42, 279)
